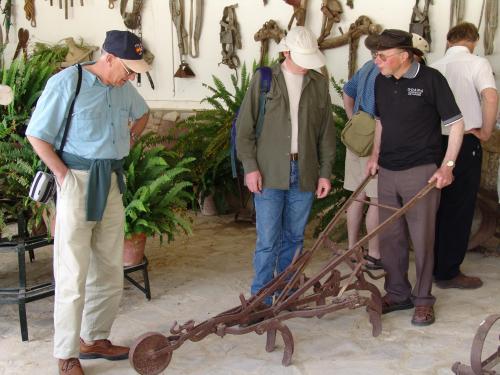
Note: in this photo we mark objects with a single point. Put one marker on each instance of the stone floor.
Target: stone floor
(200, 276)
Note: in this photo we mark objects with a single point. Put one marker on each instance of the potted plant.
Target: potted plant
(207, 136)
(18, 161)
(156, 197)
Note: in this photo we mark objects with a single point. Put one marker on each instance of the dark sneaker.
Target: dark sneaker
(460, 281)
(103, 349)
(372, 263)
(389, 306)
(423, 316)
(70, 366)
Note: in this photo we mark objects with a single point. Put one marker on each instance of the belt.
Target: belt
(294, 157)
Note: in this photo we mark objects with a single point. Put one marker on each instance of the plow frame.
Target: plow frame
(295, 295)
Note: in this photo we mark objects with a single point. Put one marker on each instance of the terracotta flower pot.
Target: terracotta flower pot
(133, 249)
(208, 207)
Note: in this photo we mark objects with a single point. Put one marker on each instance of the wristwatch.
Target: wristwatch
(450, 163)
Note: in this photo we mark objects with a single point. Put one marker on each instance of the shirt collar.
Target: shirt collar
(89, 77)
(457, 49)
(412, 70)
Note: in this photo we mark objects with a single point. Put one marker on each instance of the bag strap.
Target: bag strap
(70, 113)
(265, 87)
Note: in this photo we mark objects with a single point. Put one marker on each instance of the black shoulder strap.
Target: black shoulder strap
(70, 113)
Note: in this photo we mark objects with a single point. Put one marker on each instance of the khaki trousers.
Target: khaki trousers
(395, 188)
(88, 266)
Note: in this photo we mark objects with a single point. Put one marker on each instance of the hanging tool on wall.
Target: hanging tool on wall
(29, 10)
(131, 19)
(269, 31)
(177, 15)
(230, 37)
(299, 12)
(420, 21)
(332, 11)
(7, 12)
(362, 26)
(23, 36)
(457, 10)
(77, 53)
(1, 45)
(194, 37)
(64, 6)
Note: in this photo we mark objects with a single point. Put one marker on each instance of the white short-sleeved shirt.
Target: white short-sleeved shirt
(468, 75)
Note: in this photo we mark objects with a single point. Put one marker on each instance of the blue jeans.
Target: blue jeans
(281, 219)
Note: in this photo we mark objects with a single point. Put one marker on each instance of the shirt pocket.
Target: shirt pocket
(88, 125)
(273, 98)
(314, 108)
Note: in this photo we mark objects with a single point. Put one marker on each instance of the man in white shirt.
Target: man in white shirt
(471, 80)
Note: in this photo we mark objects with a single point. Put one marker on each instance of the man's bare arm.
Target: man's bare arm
(46, 152)
(489, 108)
(138, 126)
(348, 104)
(444, 175)
(372, 165)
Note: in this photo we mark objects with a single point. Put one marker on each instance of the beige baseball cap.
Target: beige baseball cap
(303, 47)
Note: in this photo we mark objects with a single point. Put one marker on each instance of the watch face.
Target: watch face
(450, 163)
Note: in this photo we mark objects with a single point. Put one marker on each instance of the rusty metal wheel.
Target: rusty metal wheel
(150, 354)
(478, 364)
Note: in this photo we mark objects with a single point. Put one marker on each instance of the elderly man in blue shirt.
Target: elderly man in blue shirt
(88, 245)
(359, 95)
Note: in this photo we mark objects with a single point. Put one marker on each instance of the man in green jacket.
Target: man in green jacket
(292, 157)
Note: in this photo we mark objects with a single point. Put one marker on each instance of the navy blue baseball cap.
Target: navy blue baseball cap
(128, 47)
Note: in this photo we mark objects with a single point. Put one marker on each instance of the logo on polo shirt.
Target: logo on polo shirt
(415, 92)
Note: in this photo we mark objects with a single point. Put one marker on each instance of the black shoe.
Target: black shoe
(373, 263)
(389, 306)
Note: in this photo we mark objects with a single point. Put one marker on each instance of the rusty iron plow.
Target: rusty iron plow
(295, 296)
(478, 365)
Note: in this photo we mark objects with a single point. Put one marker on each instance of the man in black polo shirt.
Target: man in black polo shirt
(412, 100)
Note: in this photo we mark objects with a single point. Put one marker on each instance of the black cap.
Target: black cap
(393, 38)
(128, 47)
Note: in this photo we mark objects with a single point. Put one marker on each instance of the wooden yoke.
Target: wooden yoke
(270, 30)
(299, 12)
(362, 26)
(332, 11)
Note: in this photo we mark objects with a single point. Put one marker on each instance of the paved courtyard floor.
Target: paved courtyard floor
(202, 275)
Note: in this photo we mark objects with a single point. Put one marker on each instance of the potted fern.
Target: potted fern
(18, 161)
(156, 197)
(206, 136)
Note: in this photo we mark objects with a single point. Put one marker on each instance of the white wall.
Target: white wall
(93, 19)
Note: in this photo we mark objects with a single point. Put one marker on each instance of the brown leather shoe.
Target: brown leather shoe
(103, 349)
(70, 366)
(423, 316)
(460, 281)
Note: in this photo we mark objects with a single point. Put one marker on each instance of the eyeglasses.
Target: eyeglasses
(127, 70)
(383, 57)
